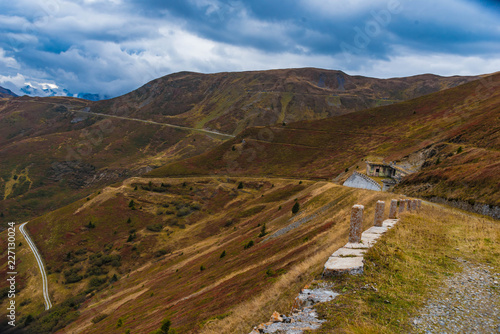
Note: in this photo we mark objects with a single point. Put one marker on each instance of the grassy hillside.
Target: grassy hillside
(51, 156)
(53, 151)
(454, 132)
(231, 102)
(408, 266)
(191, 250)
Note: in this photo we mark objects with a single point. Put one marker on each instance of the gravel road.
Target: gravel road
(469, 302)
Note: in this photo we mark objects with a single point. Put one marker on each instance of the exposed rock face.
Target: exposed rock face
(75, 173)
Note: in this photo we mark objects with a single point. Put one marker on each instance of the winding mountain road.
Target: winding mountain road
(156, 123)
(38, 258)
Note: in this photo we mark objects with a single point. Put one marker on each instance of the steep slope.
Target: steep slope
(459, 127)
(56, 150)
(190, 250)
(231, 102)
(51, 155)
(6, 93)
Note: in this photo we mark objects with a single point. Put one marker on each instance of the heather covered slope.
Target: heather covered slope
(193, 250)
(455, 132)
(231, 102)
(55, 150)
(51, 155)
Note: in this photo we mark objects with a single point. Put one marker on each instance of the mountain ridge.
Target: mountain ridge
(4, 92)
(42, 137)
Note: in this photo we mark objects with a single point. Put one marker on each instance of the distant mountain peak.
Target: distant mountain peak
(4, 92)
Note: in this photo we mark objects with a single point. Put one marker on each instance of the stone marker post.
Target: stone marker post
(401, 205)
(379, 213)
(419, 204)
(413, 205)
(356, 223)
(393, 209)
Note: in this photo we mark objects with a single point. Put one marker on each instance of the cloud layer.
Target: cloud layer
(110, 47)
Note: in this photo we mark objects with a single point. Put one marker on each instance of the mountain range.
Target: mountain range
(4, 92)
(175, 201)
(63, 148)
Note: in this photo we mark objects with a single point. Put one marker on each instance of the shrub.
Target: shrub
(98, 318)
(195, 206)
(249, 244)
(183, 212)
(96, 282)
(119, 323)
(161, 252)
(240, 185)
(113, 279)
(165, 326)
(460, 150)
(263, 231)
(72, 276)
(131, 237)
(296, 208)
(131, 204)
(202, 267)
(222, 254)
(155, 227)
(29, 319)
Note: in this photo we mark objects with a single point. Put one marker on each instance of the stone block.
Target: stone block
(389, 223)
(356, 223)
(376, 230)
(343, 265)
(348, 252)
(379, 213)
(356, 245)
(393, 209)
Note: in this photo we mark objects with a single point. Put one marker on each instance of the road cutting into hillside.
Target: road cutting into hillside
(180, 127)
(38, 258)
(157, 123)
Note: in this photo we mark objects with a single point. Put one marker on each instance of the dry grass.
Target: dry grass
(278, 297)
(406, 266)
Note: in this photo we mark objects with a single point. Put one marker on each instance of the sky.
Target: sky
(111, 47)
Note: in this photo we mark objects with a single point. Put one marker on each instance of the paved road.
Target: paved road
(38, 257)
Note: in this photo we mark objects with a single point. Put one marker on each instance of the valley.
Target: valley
(211, 200)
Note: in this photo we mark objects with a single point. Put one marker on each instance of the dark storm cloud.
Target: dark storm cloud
(113, 46)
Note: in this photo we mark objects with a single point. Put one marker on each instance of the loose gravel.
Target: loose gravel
(468, 303)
